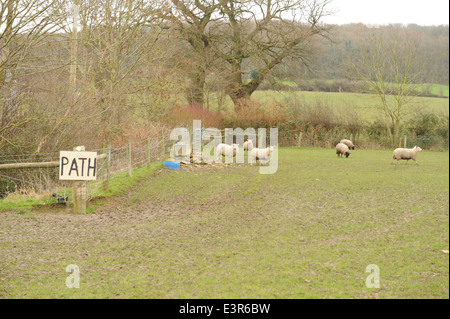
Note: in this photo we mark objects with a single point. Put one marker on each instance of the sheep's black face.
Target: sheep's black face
(347, 154)
(353, 147)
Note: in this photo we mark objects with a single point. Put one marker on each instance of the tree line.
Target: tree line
(347, 41)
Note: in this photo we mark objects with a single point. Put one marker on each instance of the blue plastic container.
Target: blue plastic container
(171, 164)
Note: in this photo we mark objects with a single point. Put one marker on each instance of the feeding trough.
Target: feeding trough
(171, 164)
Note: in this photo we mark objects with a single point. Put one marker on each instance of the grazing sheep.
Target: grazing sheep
(406, 154)
(342, 149)
(348, 143)
(227, 150)
(248, 146)
(260, 154)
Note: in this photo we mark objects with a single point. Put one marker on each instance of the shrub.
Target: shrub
(424, 124)
(184, 115)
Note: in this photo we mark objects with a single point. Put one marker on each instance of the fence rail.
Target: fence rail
(39, 172)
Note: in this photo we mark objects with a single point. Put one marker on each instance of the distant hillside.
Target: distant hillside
(333, 53)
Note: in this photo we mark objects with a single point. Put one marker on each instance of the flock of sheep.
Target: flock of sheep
(254, 154)
(344, 146)
(342, 149)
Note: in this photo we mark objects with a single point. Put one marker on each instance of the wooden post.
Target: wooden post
(299, 139)
(79, 195)
(405, 144)
(162, 148)
(351, 137)
(147, 149)
(130, 174)
(107, 165)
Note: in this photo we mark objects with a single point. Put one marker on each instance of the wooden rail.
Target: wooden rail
(37, 164)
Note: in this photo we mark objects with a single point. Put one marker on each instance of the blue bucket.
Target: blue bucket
(171, 164)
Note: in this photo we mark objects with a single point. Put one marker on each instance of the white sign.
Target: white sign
(78, 166)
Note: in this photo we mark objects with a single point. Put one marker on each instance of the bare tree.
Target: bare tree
(109, 56)
(229, 36)
(263, 34)
(192, 19)
(391, 67)
(23, 27)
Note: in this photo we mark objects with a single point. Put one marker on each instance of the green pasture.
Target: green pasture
(226, 231)
(367, 106)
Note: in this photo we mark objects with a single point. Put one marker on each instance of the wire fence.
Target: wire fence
(37, 180)
(125, 158)
(138, 154)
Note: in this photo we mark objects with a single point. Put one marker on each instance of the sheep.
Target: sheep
(348, 143)
(406, 154)
(227, 150)
(260, 154)
(248, 146)
(342, 149)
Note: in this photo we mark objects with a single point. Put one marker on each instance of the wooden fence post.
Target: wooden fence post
(79, 197)
(162, 148)
(130, 174)
(299, 139)
(79, 191)
(405, 142)
(107, 164)
(147, 149)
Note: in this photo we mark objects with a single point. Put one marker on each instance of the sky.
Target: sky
(383, 12)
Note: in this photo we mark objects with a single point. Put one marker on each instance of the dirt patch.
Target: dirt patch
(52, 208)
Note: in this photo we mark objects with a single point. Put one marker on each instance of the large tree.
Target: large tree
(231, 38)
(259, 36)
(192, 19)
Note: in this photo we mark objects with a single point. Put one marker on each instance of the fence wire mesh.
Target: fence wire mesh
(127, 157)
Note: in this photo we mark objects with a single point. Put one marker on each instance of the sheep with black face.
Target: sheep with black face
(348, 143)
(342, 149)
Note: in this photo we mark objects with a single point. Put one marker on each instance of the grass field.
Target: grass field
(307, 231)
(439, 90)
(365, 105)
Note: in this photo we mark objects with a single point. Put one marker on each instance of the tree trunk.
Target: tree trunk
(240, 93)
(240, 98)
(195, 92)
(396, 137)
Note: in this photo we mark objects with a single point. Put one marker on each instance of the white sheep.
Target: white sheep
(248, 145)
(260, 154)
(348, 143)
(406, 154)
(342, 149)
(227, 150)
